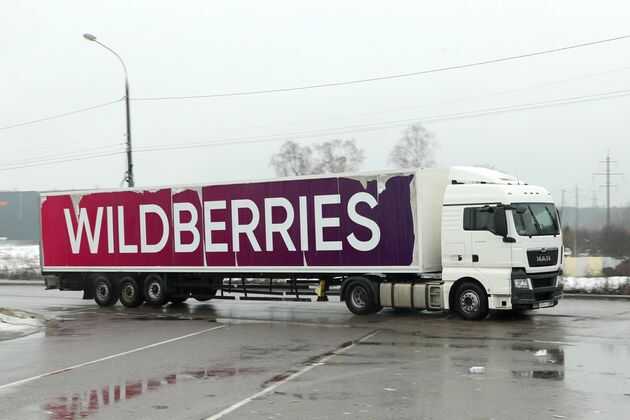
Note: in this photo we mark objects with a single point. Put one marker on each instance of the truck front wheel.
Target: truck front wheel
(104, 292)
(130, 292)
(360, 298)
(155, 290)
(471, 301)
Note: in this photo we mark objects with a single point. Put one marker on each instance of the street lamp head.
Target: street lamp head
(89, 37)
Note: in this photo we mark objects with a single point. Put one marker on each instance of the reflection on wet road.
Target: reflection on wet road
(296, 360)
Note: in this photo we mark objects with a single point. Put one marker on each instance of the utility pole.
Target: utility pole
(562, 194)
(607, 184)
(577, 223)
(129, 174)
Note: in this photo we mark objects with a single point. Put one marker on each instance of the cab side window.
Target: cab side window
(479, 218)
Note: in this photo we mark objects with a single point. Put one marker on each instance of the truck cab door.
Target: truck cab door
(487, 226)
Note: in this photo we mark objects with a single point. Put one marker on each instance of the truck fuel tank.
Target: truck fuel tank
(412, 295)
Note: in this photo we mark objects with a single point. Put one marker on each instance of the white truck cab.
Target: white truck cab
(500, 238)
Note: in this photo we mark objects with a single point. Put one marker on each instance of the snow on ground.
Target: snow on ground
(17, 323)
(19, 260)
(618, 285)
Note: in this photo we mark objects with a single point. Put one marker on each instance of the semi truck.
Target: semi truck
(465, 239)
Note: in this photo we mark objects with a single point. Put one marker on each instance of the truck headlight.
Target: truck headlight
(521, 283)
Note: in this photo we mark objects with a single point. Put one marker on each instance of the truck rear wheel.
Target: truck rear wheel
(104, 292)
(360, 297)
(130, 292)
(155, 290)
(471, 301)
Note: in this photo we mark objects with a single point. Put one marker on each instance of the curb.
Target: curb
(21, 283)
(587, 296)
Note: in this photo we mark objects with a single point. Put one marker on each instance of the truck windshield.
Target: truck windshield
(535, 219)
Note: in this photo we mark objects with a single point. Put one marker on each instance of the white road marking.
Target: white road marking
(112, 356)
(289, 378)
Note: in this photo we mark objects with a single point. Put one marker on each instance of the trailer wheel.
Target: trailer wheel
(360, 298)
(130, 292)
(104, 291)
(155, 290)
(471, 301)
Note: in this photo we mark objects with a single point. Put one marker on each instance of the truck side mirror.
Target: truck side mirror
(500, 222)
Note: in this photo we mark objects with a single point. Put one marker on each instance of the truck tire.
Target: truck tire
(155, 290)
(471, 301)
(131, 294)
(360, 297)
(105, 293)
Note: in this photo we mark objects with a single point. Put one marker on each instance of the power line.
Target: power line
(55, 156)
(62, 115)
(335, 131)
(76, 158)
(327, 84)
(387, 77)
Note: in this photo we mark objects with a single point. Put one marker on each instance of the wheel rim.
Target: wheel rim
(154, 291)
(102, 291)
(359, 297)
(128, 292)
(469, 301)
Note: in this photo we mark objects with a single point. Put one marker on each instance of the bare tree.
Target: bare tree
(292, 159)
(415, 149)
(337, 156)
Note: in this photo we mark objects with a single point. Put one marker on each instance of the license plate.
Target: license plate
(545, 304)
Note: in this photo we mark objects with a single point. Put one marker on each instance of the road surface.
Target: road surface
(283, 360)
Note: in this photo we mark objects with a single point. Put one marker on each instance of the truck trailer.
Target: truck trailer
(464, 239)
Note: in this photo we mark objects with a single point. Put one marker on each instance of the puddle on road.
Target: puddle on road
(556, 375)
(83, 404)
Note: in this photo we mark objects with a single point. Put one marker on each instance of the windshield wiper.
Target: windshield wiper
(536, 223)
(553, 220)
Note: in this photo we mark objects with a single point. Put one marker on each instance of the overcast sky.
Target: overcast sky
(203, 47)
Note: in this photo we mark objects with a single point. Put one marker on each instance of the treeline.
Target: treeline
(611, 241)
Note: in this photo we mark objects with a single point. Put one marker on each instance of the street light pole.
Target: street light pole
(129, 174)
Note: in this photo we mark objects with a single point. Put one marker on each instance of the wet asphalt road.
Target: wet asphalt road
(282, 360)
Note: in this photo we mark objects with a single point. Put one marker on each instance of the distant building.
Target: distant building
(19, 215)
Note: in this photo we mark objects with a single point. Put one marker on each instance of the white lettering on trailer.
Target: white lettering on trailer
(84, 228)
(363, 197)
(283, 227)
(211, 226)
(83, 224)
(303, 224)
(145, 246)
(124, 248)
(110, 229)
(190, 226)
(322, 222)
(248, 228)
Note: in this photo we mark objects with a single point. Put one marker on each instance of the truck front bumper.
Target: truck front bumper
(544, 290)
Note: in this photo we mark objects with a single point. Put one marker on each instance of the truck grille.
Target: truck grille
(544, 282)
(542, 257)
